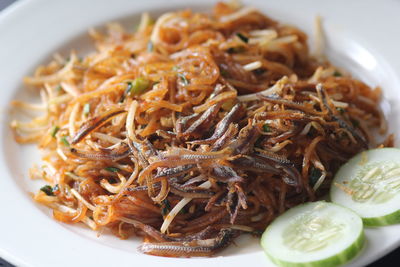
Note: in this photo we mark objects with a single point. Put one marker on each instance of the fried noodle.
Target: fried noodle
(193, 129)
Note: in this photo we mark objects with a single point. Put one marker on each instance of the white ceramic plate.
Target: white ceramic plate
(362, 37)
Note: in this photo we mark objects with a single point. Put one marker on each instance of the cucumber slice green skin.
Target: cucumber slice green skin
(336, 194)
(392, 218)
(338, 259)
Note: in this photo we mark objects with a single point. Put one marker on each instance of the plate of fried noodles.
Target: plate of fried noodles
(173, 133)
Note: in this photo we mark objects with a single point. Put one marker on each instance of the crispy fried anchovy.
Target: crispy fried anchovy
(143, 151)
(225, 174)
(241, 196)
(190, 192)
(206, 233)
(275, 99)
(94, 123)
(217, 90)
(194, 248)
(166, 134)
(115, 154)
(177, 189)
(286, 135)
(232, 205)
(341, 122)
(254, 164)
(142, 188)
(233, 115)
(246, 138)
(169, 172)
(203, 123)
(194, 180)
(260, 163)
(225, 138)
(293, 115)
(292, 176)
(181, 123)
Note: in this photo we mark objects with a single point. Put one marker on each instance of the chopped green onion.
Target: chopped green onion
(135, 87)
(175, 68)
(48, 190)
(54, 131)
(315, 174)
(150, 46)
(341, 110)
(355, 122)
(183, 78)
(184, 210)
(111, 169)
(266, 128)
(237, 49)
(223, 72)
(65, 141)
(139, 85)
(86, 109)
(259, 71)
(59, 88)
(242, 37)
(165, 207)
(337, 74)
(112, 180)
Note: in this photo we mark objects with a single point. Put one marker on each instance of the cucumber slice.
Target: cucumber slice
(369, 184)
(314, 234)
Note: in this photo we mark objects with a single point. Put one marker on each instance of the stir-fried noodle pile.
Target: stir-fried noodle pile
(193, 129)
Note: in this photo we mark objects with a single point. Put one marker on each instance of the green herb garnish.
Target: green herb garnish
(86, 109)
(355, 122)
(337, 74)
(48, 190)
(341, 110)
(165, 207)
(111, 169)
(135, 87)
(259, 71)
(315, 174)
(183, 78)
(266, 128)
(59, 88)
(54, 131)
(237, 49)
(65, 141)
(242, 37)
(139, 85)
(112, 180)
(223, 72)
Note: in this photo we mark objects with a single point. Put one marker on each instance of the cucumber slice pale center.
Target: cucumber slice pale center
(310, 232)
(375, 183)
